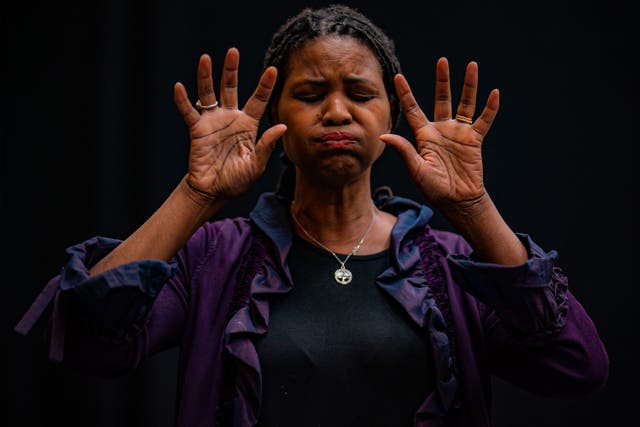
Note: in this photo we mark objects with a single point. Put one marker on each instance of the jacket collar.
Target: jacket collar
(271, 215)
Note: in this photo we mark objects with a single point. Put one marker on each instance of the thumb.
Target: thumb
(405, 148)
(267, 142)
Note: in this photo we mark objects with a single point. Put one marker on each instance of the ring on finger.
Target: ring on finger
(206, 107)
(464, 119)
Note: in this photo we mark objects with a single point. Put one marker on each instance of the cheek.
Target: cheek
(299, 122)
(380, 146)
(297, 116)
(291, 139)
(380, 118)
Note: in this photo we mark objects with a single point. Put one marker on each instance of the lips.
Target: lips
(337, 139)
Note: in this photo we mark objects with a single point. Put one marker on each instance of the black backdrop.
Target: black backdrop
(92, 144)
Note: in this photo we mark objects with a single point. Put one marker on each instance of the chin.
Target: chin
(341, 173)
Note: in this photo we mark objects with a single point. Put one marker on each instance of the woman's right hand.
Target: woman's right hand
(224, 158)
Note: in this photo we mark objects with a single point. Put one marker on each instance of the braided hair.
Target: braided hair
(310, 24)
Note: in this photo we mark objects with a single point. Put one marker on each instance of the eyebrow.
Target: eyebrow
(324, 83)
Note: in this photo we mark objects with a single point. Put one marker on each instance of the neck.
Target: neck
(335, 216)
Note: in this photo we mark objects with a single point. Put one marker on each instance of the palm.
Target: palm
(452, 162)
(224, 158)
(446, 163)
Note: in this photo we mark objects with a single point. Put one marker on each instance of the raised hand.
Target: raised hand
(224, 157)
(446, 162)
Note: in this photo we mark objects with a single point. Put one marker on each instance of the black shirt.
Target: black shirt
(340, 355)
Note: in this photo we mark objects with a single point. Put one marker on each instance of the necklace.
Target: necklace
(342, 275)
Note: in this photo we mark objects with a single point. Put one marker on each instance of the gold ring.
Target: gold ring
(206, 107)
(464, 119)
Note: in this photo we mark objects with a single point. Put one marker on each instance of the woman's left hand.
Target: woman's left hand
(446, 162)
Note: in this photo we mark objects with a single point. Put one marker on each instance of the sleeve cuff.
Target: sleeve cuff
(530, 298)
(116, 302)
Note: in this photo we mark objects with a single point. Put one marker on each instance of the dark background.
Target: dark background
(92, 144)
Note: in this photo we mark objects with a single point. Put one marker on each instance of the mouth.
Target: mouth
(337, 139)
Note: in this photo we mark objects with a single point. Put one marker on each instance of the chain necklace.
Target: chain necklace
(342, 274)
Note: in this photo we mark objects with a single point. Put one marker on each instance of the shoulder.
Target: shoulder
(447, 242)
(229, 236)
(230, 228)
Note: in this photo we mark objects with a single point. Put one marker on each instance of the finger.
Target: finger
(206, 93)
(413, 113)
(256, 105)
(229, 81)
(484, 122)
(467, 104)
(189, 114)
(266, 144)
(406, 150)
(442, 107)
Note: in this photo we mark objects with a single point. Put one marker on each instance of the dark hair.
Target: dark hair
(311, 24)
(339, 20)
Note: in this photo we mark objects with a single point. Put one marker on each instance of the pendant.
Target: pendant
(343, 276)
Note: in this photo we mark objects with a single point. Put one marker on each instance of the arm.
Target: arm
(134, 301)
(446, 164)
(166, 231)
(106, 324)
(537, 335)
(224, 160)
(109, 323)
(572, 362)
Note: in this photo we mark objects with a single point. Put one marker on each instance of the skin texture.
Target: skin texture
(447, 160)
(224, 159)
(333, 84)
(446, 163)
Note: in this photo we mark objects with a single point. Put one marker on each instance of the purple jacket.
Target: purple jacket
(519, 323)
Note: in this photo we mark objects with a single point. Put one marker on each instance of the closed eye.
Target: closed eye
(309, 97)
(362, 97)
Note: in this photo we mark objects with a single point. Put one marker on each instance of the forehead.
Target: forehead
(331, 56)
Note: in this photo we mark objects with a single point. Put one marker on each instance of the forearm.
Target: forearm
(485, 230)
(166, 231)
(571, 362)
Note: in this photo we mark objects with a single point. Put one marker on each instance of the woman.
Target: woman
(327, 306)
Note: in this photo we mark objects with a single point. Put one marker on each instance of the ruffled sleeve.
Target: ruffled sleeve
(530, 299)
(112, 307)
(538, 335)
(115, 302)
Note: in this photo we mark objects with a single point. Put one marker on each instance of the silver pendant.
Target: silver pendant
(343, 276)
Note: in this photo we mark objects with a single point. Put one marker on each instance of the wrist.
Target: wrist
(464, 213)
(482, 226)
(201, 199)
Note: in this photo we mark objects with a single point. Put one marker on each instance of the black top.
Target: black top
(340, 355)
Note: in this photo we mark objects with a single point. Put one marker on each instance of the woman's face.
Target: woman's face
(335, 106)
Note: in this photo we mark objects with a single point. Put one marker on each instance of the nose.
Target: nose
(336, 111)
